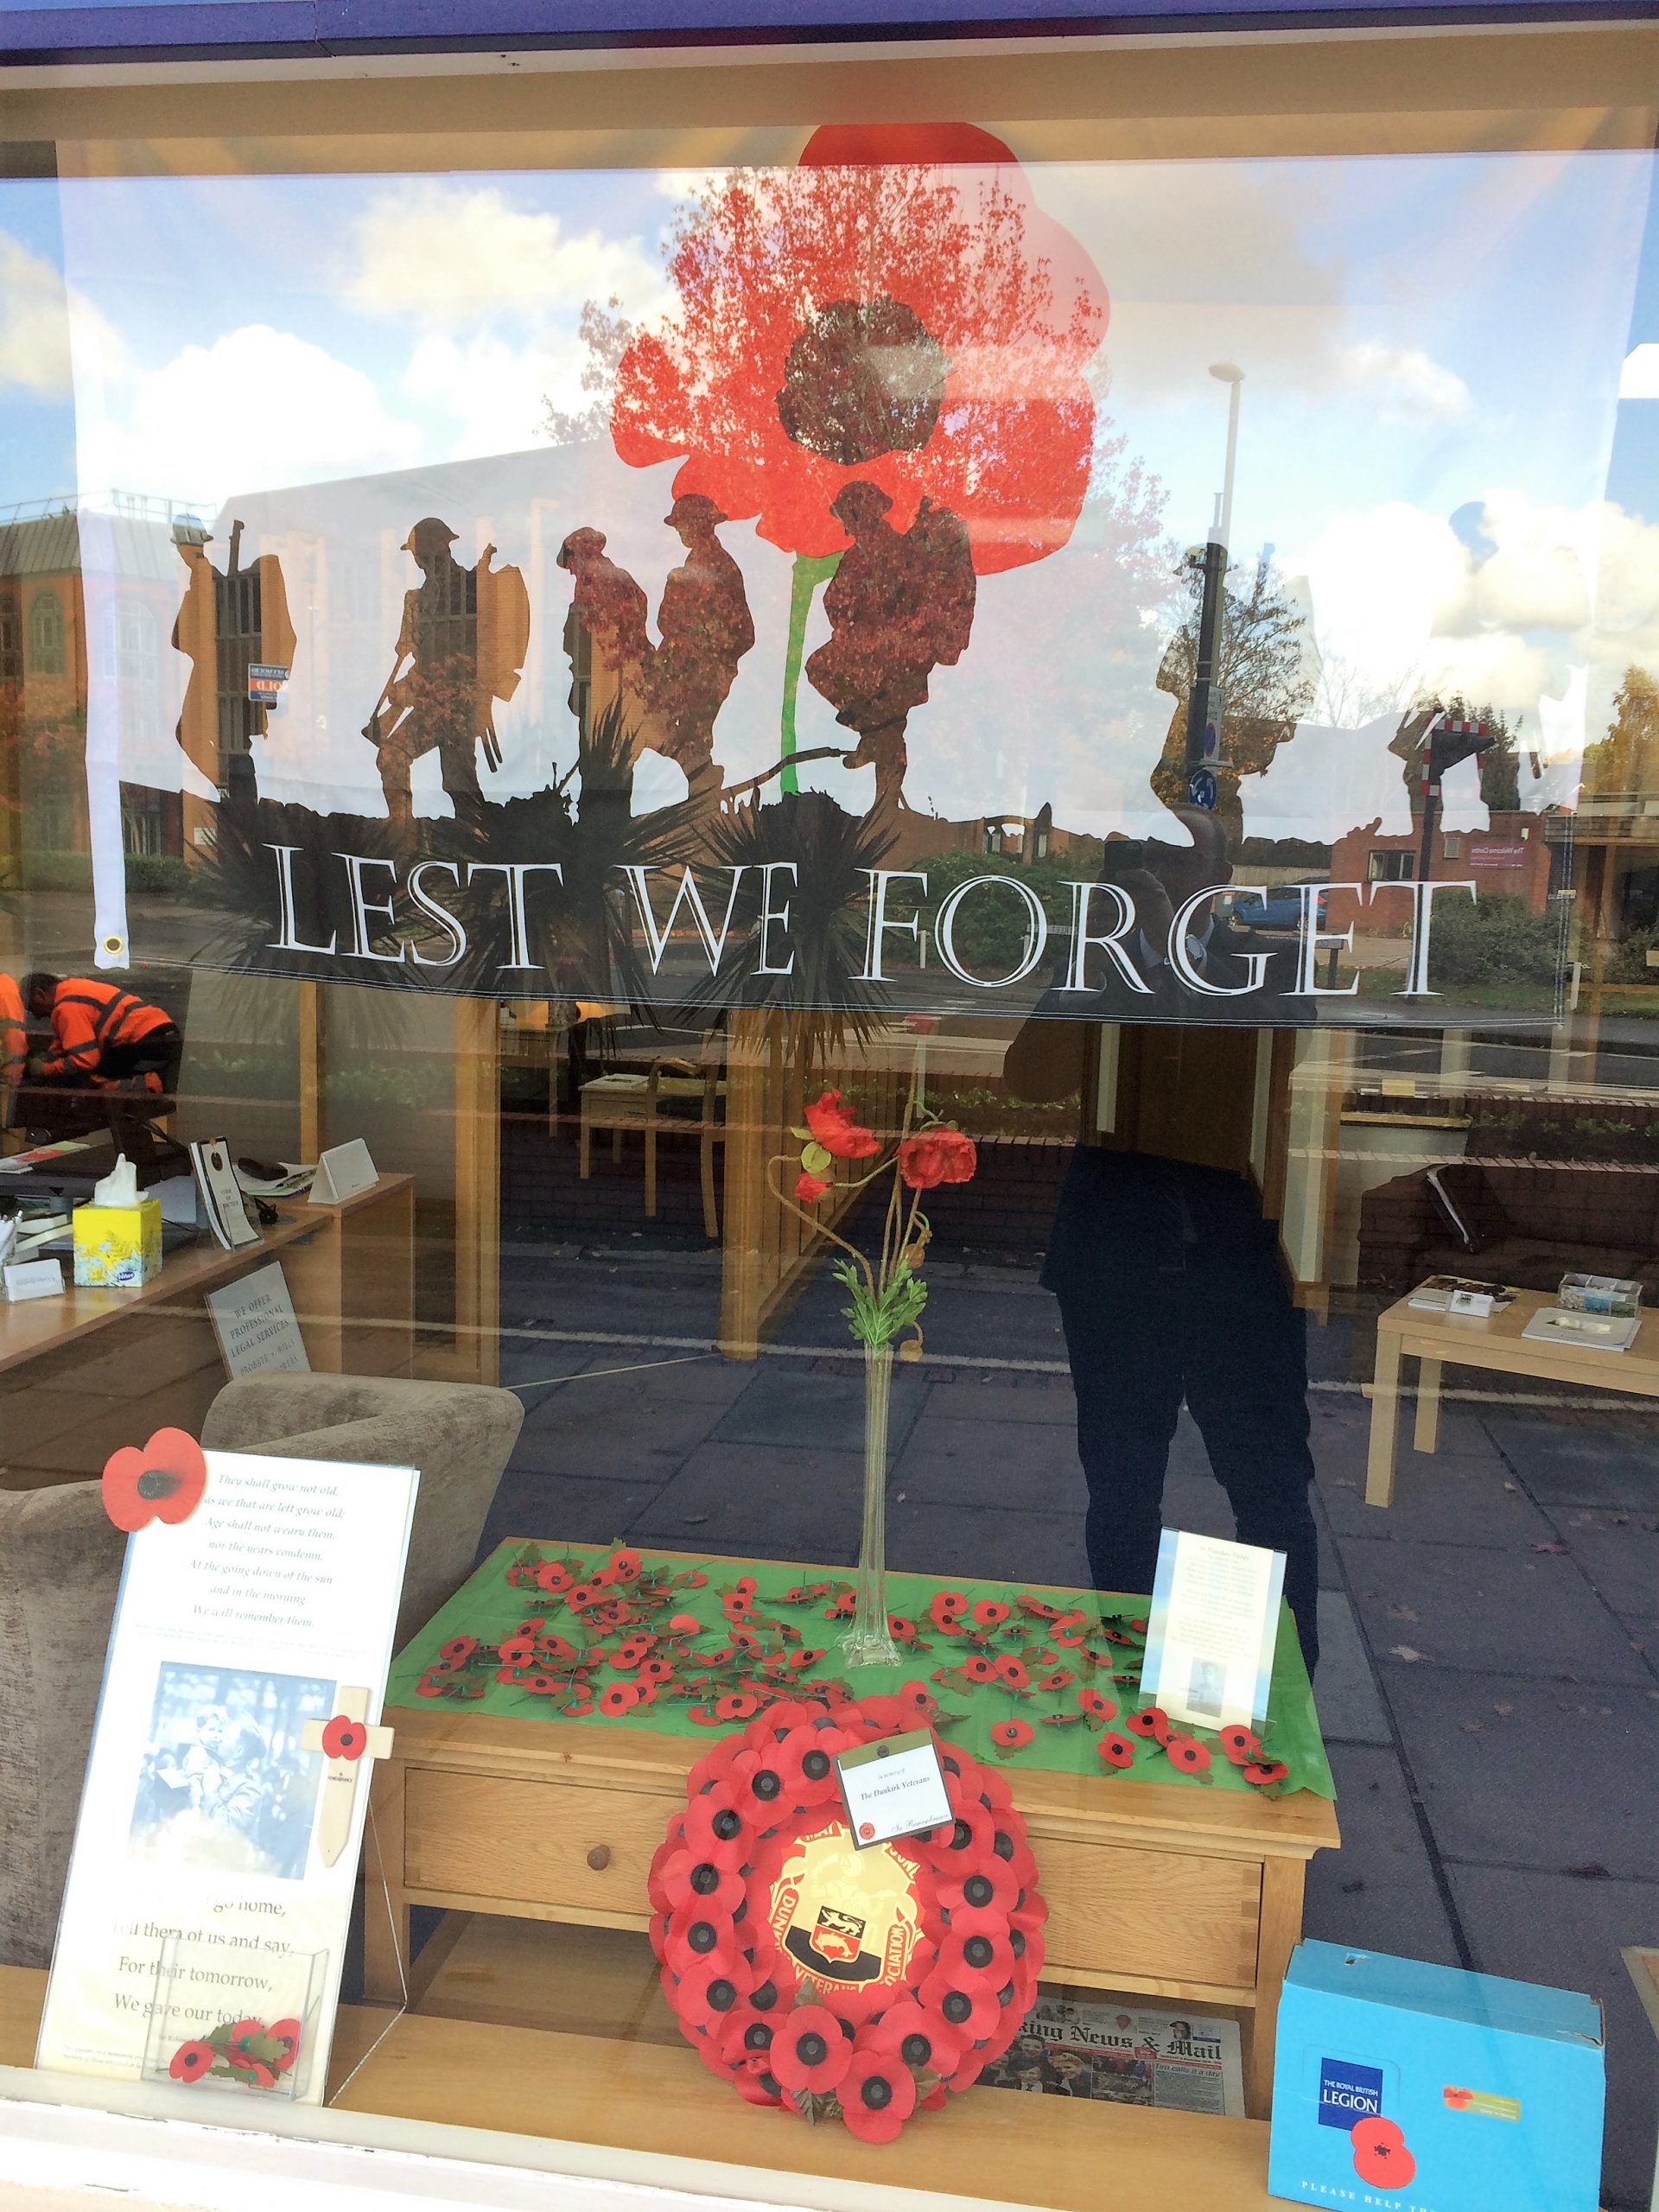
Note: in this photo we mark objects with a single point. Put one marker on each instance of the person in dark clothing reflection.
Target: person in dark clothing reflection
(1171, 1289)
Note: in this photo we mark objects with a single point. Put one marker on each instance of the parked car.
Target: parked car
(1266, 906)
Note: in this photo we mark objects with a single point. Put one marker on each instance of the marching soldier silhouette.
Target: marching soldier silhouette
(706, 628)
(465, 635)
(227, 622)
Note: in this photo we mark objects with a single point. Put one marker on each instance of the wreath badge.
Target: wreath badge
(838, 1982)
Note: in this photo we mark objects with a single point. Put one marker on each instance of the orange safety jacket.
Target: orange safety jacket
(90, 1018)
(14, 1039)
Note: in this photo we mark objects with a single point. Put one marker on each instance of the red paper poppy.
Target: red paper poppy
(918, 2034)
(286, 2032)
(978, 1669)
(1381, 2156)
(656, 1670)
(1014, 1672)
(459, 1650)
(712, 1988)
(627, 1656)
(714, 1828)
(833, 1127)
(1098, 1707)
(1240, 1744)
(579, 1708)
(625, 1566)
(1187, 1753)
(945, 1606)
(936, 1156)
(989, 1887)
(1012, 1735)
(617, 1698)
(1151, 1721)
(518, 1650)
(810, 2055)
(963, 2002)
(877, 2096)
(1060, 1678)
(345, 1740)
(991, 1612)
(808, 1189)
(240, 2031)
(581, 1595)
(191, 2061)
(544, 1685)
(553, 1575)
(556, 1651)
(1116, 1750)
(900, 1629)
(738, 1705)
(1261, 1774)
(797, 290)
(164, 1482)
(987, 1957)
(1071, 1630)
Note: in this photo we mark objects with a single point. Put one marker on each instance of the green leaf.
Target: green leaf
(817, 1161)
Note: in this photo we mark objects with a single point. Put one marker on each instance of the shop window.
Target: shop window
(45, 640)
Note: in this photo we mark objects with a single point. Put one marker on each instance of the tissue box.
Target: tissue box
(117, 1248)
(1427, 2089)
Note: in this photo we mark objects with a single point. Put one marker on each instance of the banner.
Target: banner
(905, 580)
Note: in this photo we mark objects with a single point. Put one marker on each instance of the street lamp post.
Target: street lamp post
(1206, 704)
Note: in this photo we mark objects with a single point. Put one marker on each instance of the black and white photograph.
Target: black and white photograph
(224, 1786)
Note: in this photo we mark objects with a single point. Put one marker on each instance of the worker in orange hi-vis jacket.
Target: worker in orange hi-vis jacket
(103, 1037)
(14, 1043)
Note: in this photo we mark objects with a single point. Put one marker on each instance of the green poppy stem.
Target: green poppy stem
(810, 571)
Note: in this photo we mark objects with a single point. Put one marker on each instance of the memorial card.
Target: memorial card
(1213, 1626)
(204, 1921)
(255, 1323)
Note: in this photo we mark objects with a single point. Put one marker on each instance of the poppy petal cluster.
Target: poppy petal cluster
(936, 1156)
(162, 1482)
(833, 1127)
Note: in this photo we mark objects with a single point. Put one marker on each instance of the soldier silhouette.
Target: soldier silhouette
(228, 621)
(899, 604)
(705, 628)
(461, 647)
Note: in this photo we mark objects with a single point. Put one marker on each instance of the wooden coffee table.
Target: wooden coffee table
(1406, 1332)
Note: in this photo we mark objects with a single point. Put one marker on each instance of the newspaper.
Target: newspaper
(1128, 2056)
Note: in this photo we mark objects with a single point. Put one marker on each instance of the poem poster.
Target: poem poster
(199, 1895)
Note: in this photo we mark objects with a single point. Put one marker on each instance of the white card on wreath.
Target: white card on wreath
(216, 1848)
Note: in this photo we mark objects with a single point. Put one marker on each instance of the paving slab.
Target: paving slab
(982, 1543)
(566, 1507)
(618, 1428)
(1566, 1463)
(786, 1405)
(1551, 1929)
(1526, 1614)
(805, 1504)
(1618, 1553)
(1441, 1498)
(1545, 1775)
(1379, 1890)
(996, 1397)
(1349, 1704)
(526, 1361)
(1032, 1465)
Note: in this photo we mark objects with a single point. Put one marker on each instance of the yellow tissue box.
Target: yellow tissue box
(117, 1248)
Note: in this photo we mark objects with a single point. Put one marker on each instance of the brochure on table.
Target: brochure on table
(216, 1849)
(1212, 1630)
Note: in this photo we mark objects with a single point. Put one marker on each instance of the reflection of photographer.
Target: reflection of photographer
(1168, 1279)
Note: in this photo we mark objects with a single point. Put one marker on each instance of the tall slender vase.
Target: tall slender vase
(868, 1642)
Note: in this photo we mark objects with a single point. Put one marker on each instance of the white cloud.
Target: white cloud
(451, 254)
(1409, 385)
(34, 323)
(256, 410)
(1639, 377)
(498, 393)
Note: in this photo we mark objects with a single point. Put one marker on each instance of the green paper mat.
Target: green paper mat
(489, 1609)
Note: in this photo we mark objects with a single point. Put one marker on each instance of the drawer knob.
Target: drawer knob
(599, 1857)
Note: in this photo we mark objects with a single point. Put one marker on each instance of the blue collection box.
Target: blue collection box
(1424, 2089)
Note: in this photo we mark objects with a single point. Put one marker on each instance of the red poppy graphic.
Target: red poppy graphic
(808, 1189)
(936, 1156)
(877, 2096)
(946, 1605)
(1240, 1744)
(900, 1629)
(344, 1738)
(978, 1669)
(518, 1650)
(191, 2061)
(1116, 1750)
(1099, 1707)
(964, 2002)
(1059, 1678)
(897, 311)
(552, 1575)
(1012, 1735)
(809, 2052)
(1014, 1672)
(164, 1482)
(459, 1650)
(617, 1698)
(833, 1127)
(1261, 1774)
(1381, 2158)
(991, 1612)
(1151, 1721)
(1187, 1753)
(625, 1566)
(1071, 1630)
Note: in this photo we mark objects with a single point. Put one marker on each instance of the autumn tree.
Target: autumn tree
(1627, 758)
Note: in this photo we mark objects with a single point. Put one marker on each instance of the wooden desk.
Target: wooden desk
(1497, 1344)
(1194, 1894)
(620, 1103)
(655, 2101)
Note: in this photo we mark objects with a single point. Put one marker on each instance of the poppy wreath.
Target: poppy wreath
(857, 1985)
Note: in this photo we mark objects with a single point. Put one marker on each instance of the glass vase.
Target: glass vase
(868, 1642)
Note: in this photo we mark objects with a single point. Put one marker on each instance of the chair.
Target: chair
(60, 1569)
(676, 1095)
(460, 1435)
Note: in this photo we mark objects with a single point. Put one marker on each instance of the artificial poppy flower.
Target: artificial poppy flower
(1261, 1774)
(900, 1629)
(737, 1706)
(1071, 1630)
(286, 2033)
(459, 1650)
(164, 1482)
(685, 1624)
(808, 1189)
(805, 1763)
(714, 1828)
(991, 1612)
(1059, 1678)
(936, 1156)
(253, 2071)
(977, 1669)
(556, 1651)
(618, 1698)
(656, 1670)
(579, 1708)
(1116, 1750)
(757, 2087)
(581, 1595)
(989, 1887)
(713, 1987)
(625, 1566)
(896, 310)
(964, 2002)
(757, 1787)
(982, 1954)
(432, 1686)
(345, 1740)
(517, 1650)
(1152, 1722)
(1096, 1706)
(810, 2055)
(946, 1605)
(833, 1127)
(1381, 2158)
(1187, 1753)
(627, 1656)
(191, 2061)
(1456, 2099)
(909, 2030)
(1240, 1744)
(1012, 1735)
(877, 2096)
(1014, 1672)
(552, 1575)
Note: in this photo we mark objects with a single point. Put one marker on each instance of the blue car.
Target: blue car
(1272, 906)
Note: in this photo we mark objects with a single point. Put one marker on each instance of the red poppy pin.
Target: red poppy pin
(164, 1482)
(344, 1739)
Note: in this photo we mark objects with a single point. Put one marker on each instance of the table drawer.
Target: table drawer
(485, 1836)
(1167, 1915)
